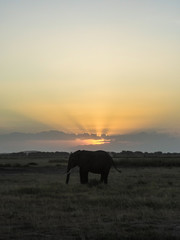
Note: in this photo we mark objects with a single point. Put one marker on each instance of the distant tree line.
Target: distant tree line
(34, 154)
(123, 154)
(122, 159)
(140, 159)
(138, 154)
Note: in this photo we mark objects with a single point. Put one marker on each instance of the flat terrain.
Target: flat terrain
(35, 203)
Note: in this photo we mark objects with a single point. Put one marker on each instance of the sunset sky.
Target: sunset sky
(96, 67)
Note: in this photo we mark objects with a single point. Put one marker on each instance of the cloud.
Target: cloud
(146, 141)
(42, 141)
(47, 135)
(61, 141)
(141, 141)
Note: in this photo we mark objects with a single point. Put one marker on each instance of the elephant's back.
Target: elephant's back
(99, 157)
(96, 154)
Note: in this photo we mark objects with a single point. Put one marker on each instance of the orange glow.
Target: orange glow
(94, 141)
(104, 118)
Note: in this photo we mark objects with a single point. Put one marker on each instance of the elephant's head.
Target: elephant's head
(73, 162)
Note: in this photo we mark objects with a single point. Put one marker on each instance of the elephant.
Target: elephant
(98, 162)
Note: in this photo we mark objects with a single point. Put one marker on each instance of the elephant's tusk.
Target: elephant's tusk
(69, 171)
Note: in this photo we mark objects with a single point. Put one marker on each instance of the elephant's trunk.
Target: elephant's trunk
(68, 175)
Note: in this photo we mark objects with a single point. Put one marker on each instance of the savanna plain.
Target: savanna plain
(141, 202)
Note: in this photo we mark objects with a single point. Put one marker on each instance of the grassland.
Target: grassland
(35, 204)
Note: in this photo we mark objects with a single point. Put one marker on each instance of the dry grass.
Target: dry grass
(139, 203)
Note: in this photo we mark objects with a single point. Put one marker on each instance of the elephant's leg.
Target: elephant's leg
(83, 176)
(102, 178)
(86, 177)
(106, 177)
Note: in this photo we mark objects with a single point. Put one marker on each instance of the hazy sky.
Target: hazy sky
(106, 66)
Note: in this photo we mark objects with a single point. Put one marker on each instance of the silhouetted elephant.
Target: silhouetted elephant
(88, 161)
